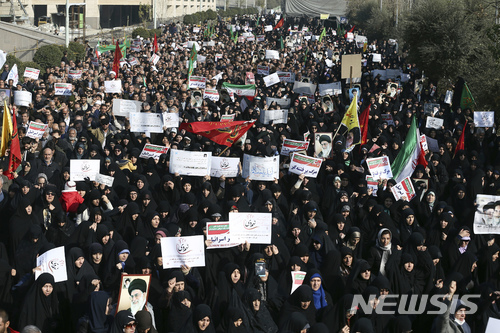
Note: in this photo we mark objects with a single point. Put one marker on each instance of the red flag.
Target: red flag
(351, 30)
(116, 61)
(15, 151)
(280, 23)
(225, 133)
(363, 124)
(155, 44)
(460, 144)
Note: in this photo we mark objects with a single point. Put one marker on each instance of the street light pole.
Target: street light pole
(66, 30)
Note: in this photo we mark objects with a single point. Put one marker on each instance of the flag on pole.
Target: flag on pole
(15, 148)
(410, 155)
(155, 44)
(116, 60)
(467, 101)
(351, 121)
(6, 129)
(241, 90)
(281, 42)
(13, 75)
(323, 34)
(350, 30)
(258, 20)
(280, 23)
(460, 144)
(224, 133)
(363, 124)
(192, 59)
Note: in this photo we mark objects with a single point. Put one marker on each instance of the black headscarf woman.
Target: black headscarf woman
(41, 306)
(295, 323)
(149, 226)
(180, 312)
(129, 221)
(301, 300)
(488, 262)
(341, 314)
(234, 321)
(230, 287)
(121, 262)
(259, 317)
(201, 320)
(359, 278)
(99, 321)
(122, 319)
(28, 249)
(77, 268)
(20, 223)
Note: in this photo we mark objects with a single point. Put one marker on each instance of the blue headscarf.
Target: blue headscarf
(319, 296)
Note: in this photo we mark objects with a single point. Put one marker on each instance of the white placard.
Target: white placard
(423, 142)
(272, 54)
(493, 325)
(286, 76)
(290, 146)
(75, 74)
(275, 116)
(271, 79)
(190, 163)
(268, 28)
(260, 168)
(303, 164)
(36, 130)
(297, 279)
(170, 119)
(433, 122)
(284, 103)
(146, 122)
(53, 262)
(372, 184)
(103, 179)
(153, 151)
(331, 89)
(201, 59)
(211, 94)
(31, 73)
(133, 61)
(22, 98)
(252, 227)
(220, 235)
(380, 167)
(112, 87)
(63, 89)
(183, 251)
(304, 88)
(197, 82)
(224, 166)
(196, 29)
(486, 219)
(481, 118)
(123, 107)
(262, 70)
(154, 59)
(377, 57)
(81, 169)
(404, 190)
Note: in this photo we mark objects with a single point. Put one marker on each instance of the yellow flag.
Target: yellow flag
(6, 129)
(350, 119)
(324, 16)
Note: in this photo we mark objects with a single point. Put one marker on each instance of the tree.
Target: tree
(448, 39)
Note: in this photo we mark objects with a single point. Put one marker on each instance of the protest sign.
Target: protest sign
(423, 142)
(252, 227)
(63, 89)
(220, 235)
(351, 66)
(260, 168)
(272, 54)
(133, 61)
(271, 79)
(113, 87)
(432, 144)
(274, 116)
(81, 169)
(303, 164)
(487, 216)
(330, 88)
(297, 280)
(373, 184)
(22, 98)
(481, 118)
(196, 29)
(136, 285)
(190, 163)
(153, 151)
(376, 57)
(404, 190)
(286, 76)
(261, 38)
(197, 82)
(393, 73)
(493, 325)
(290, 146)
(211, 94)
(268, 28)
(123, 107)
(183, 251)
(304, 88)
(145, 122)
(36, 130)
(431, 109)
(103, 179)
(31, 73)
(262, 70)
(53, 262)
(433, 122)
(388, 118)
(249, 78)
(228, 117)
(170, 119)
(448, 97)
(380, 167)
(224, 166)
(75, 74)
(284, 103)
(154, 59)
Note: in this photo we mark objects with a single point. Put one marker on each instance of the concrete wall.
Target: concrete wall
(16, 38)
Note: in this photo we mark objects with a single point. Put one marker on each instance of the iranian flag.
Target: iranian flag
(241, 90)
(410, 155)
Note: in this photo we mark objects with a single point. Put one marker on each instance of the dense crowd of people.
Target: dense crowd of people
(348, 241)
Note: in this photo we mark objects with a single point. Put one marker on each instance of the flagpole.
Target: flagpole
(223, 151)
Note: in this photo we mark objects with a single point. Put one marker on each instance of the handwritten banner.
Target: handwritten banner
(197, 82)
(211, 94)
